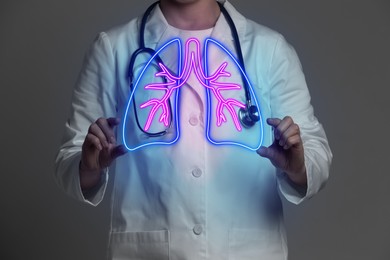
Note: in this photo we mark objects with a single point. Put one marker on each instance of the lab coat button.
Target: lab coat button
(197, 172)
(193, 120)
(198, 229)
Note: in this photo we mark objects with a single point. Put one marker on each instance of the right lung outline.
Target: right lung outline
(249, 138)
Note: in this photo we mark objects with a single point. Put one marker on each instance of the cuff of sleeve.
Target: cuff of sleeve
(93, 196)
(294, 193)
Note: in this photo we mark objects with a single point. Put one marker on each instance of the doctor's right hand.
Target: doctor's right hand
(99, 150)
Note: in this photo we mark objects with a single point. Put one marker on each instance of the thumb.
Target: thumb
(266, 152)
(118, 151)
(274, 154)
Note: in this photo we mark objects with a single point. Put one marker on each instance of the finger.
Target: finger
(290, 131)
(93, 141)
(106, 129)
(274, 122)
(118, 151)
(98, 132)
(292, 141)
(282, 127)
(113, 121)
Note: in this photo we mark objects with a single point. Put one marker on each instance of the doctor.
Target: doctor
(194, 200)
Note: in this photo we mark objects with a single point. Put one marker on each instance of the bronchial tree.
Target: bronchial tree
(192, 64)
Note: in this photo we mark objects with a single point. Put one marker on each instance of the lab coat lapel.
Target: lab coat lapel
(158, 31)
(222, 32)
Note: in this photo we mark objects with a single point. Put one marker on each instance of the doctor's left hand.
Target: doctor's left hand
(286, 152)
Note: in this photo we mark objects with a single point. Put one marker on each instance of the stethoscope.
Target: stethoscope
(248, 116)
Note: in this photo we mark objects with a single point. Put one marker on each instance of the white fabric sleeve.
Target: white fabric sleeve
(94, 96)
(290, 97)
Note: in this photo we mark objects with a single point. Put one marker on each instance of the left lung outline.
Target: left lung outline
(138, 139)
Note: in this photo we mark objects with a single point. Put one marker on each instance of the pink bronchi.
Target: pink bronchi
(192, 63)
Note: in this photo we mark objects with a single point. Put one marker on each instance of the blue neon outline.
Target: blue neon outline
(177, 103)
(176, 113)
(208, 114)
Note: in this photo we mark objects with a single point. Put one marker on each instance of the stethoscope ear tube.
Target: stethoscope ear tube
(250, 114)
(143, 24)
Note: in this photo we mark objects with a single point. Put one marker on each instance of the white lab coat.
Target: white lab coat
(194, 200)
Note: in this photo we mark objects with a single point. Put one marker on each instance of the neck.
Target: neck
(190, 14)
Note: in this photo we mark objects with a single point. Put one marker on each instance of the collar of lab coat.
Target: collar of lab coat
(158, 31)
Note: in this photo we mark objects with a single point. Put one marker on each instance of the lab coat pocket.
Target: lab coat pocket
(247, 244)
(139, 245)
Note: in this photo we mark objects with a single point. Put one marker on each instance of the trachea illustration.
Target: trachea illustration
(159, 106)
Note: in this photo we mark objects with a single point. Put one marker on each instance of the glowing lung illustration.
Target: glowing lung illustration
(154, 100)
(149, 108)
(224, 96)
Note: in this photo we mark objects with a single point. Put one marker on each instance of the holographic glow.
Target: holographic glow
(192, 63)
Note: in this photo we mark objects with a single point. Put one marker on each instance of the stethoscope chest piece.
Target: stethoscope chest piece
(249, 116)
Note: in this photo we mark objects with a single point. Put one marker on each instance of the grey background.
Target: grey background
(344, 49)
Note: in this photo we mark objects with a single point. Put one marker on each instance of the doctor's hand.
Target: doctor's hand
(286, 152)
(98, 151)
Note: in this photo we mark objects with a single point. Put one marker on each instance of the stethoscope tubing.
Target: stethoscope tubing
(144, 49)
